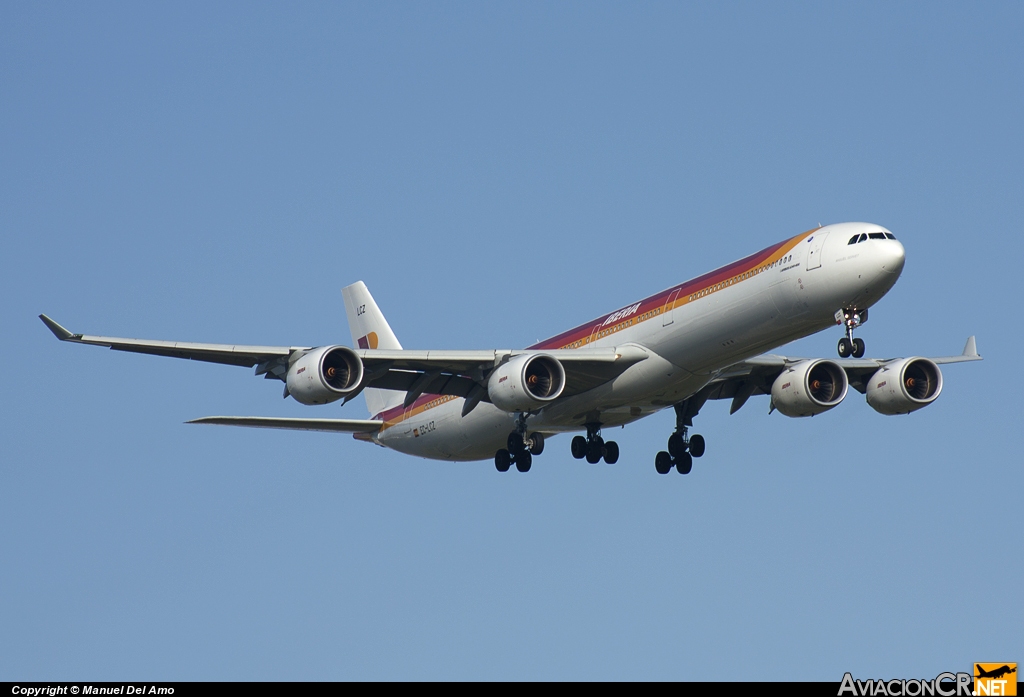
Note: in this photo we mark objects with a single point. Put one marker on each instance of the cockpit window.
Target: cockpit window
(877, 235)
(853, 240)
(890, 236)
(863, 238)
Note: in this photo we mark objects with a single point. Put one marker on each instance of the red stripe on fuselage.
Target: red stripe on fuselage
(696, 285)
(583, 332)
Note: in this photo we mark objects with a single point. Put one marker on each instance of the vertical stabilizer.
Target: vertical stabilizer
(370, 331)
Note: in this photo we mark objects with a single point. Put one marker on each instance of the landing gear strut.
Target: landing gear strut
(521, 448)
(851, 318)
(594, 447)
(681, 448)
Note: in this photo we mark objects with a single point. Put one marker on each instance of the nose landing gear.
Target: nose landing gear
(594, 447)
(851, 318)
(521, 448)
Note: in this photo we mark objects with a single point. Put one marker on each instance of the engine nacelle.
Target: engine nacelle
(324, 375)
(809, 388)
(904, 386)
(526, 382)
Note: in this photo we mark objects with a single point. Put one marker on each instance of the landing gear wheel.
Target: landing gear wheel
(858, 348)
(663, 462)
(676, 445)
(502, 460)
(697, 445)
(684, 464)
(537, 443)
(515, 443)
(595, 451)
(579, 447)
(845, 347)
(611, 452)
(523, 461)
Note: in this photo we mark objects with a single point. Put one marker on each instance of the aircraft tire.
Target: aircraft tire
(684, 464)
(697, 445)
(595, 451)
(579, 447)
(844, 347)
(515, 443)
(611, 452)
(676, 445)
(858, 348)
(538, 443)
(502, 460)
(524, 461)
(663, 462)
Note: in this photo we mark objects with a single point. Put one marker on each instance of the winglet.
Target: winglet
(58, 331)
(971, 348)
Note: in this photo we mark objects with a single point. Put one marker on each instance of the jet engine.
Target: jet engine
(324, 375)
(526, 382)
(904, 386)
(809, 388)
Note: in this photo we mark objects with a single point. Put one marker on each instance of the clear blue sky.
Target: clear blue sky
(495, 173)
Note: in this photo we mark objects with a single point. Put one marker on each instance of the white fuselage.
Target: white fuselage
(689, 332)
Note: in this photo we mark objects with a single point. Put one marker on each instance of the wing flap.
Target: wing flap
(465, 361)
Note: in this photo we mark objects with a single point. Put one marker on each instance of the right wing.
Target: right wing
(458, 373)
(228, 354)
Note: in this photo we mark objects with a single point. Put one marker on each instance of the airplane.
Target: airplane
(701, 340)
(996, 673)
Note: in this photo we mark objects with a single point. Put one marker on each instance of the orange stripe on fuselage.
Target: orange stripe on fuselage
(692, 290)
(648, 308)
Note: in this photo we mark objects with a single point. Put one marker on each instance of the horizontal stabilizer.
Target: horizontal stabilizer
(335, 425)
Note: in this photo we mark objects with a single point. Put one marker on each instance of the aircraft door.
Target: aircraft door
(668, 314)
(814, 246)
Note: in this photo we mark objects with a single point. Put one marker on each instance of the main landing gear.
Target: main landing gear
(851, 318)
(521, 448)
(681, 449)
(594, 447)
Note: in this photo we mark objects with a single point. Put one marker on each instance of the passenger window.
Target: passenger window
(877, 235)
(853, 240)
(863, 238)
(890, 236)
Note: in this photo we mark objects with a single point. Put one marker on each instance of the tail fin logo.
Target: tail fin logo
(368, 342)
(995, 679)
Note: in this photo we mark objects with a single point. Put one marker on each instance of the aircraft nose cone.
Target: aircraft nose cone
(893, 257)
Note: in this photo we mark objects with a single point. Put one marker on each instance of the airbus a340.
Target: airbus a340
(699, 340)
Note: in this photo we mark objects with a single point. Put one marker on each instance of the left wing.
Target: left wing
(755, 376)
